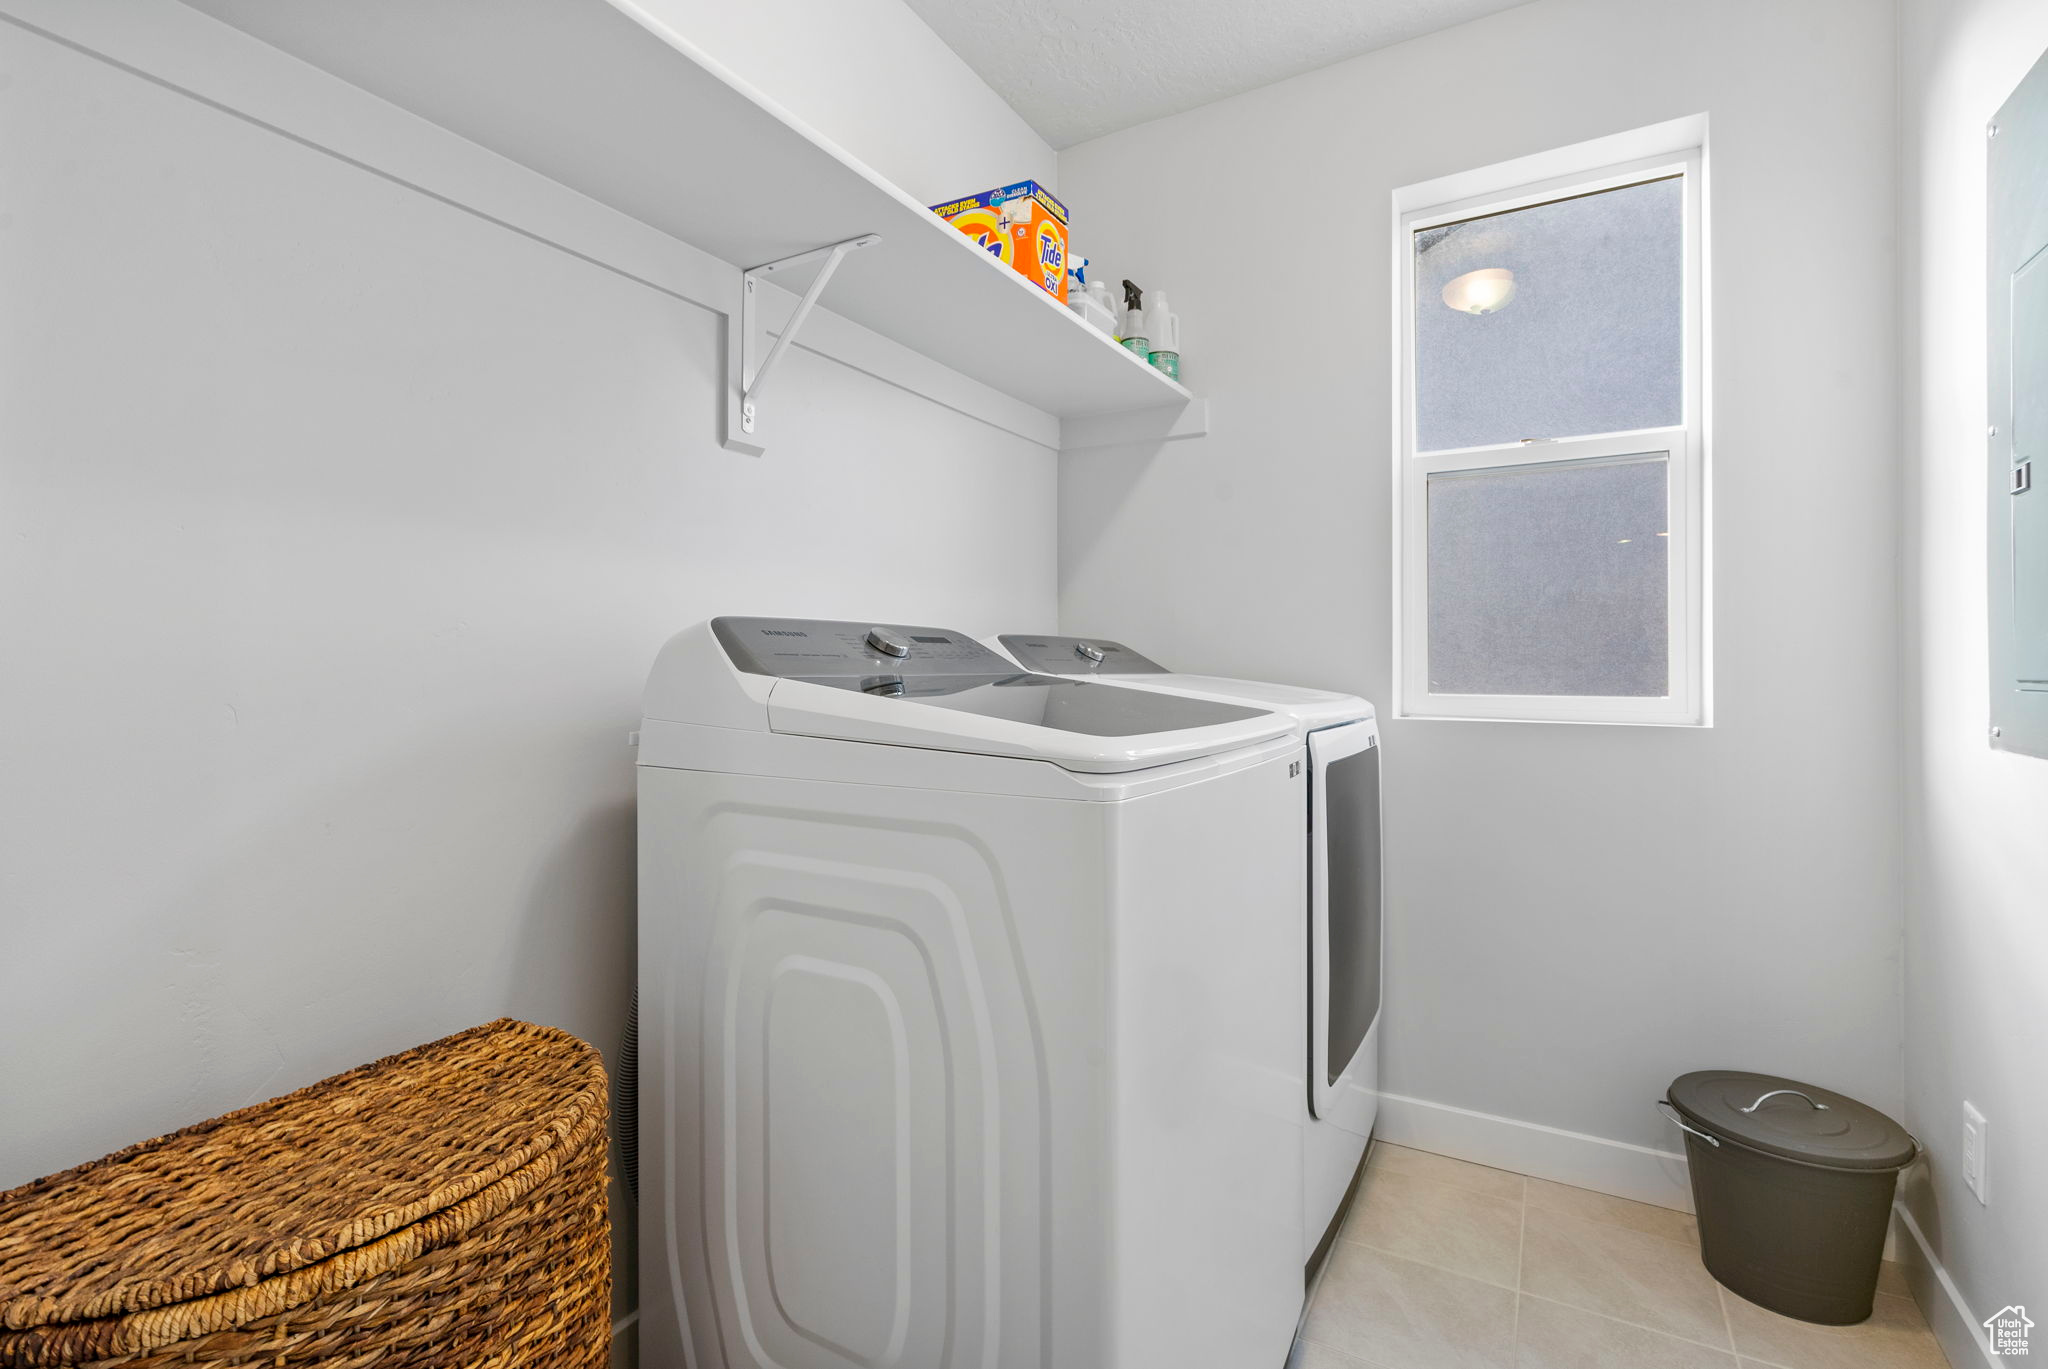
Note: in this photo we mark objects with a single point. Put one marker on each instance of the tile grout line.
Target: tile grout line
(1521, 1248)
(1638, 1326)
(1441, 1269)
(1452, 1159)
(1381, 1167)
(1340, 1350)
(1688, 1243)
(1727, 1321)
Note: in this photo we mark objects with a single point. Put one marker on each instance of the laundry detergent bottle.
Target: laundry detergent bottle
(1162, 329)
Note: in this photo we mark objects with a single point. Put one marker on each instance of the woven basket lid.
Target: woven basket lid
(285, 1184)
(1795, 1121)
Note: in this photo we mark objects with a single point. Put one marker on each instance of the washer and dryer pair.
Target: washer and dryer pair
(973, 1002)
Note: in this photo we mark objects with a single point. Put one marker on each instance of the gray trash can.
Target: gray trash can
(1793, 1185)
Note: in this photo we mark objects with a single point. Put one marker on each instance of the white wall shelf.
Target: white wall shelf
(606, 100)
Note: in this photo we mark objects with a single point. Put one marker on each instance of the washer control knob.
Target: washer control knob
(1088, 651)
(887, 642)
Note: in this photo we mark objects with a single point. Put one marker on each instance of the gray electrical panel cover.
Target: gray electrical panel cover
(2018, 259)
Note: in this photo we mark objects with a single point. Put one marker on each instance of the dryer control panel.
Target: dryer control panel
(1076, 655)
(828, 651)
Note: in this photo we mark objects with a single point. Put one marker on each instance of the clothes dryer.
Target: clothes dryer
(1343, 951)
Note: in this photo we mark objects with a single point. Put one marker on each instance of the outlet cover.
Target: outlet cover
(1976, 1132)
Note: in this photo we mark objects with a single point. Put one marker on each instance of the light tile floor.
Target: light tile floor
(1448, 1265)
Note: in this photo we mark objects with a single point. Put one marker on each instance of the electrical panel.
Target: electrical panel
(2018, 417)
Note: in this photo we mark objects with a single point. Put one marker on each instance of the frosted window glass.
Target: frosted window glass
(1550, 579)
(1592, 339)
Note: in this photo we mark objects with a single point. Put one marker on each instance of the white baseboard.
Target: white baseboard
(1565, 1157)
(1955, 1326)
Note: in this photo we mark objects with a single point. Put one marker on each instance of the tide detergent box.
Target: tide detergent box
(1021, 225)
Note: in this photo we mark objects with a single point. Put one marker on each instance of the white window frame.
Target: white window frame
(1680, 149)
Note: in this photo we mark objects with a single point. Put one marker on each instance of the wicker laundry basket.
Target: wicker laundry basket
(444, 1207)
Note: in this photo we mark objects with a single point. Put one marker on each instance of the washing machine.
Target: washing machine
(1345, 918)
(970, 1011)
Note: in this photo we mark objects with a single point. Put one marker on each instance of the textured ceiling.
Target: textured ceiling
(1076, 69)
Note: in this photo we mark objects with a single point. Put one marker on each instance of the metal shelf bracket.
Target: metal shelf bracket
(754, 376)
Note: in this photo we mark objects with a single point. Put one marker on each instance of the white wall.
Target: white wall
(872, 76)
(1578, 914)
(338, 528)
(1977, 824)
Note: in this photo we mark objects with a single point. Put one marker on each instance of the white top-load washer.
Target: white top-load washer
(970, 1011)
(1345, 916)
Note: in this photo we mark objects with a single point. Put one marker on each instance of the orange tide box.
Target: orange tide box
(1020, 225)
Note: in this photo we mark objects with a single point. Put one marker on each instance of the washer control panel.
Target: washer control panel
(1076, 655)
(814, 648)
(888, 643)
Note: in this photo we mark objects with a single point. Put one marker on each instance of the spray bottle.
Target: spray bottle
(1131, 332)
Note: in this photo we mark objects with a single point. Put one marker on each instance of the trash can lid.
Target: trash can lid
(1798, 1121)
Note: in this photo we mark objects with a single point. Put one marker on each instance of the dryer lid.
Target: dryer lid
(1313, 707)
(1099, 656)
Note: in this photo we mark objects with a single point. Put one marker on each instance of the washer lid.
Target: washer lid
(1794, 1120)
(940, 689)
(1075, 724)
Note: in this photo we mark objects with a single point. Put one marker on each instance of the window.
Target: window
(1550, 463)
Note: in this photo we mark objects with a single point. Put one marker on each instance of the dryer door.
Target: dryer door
(1344, 924)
